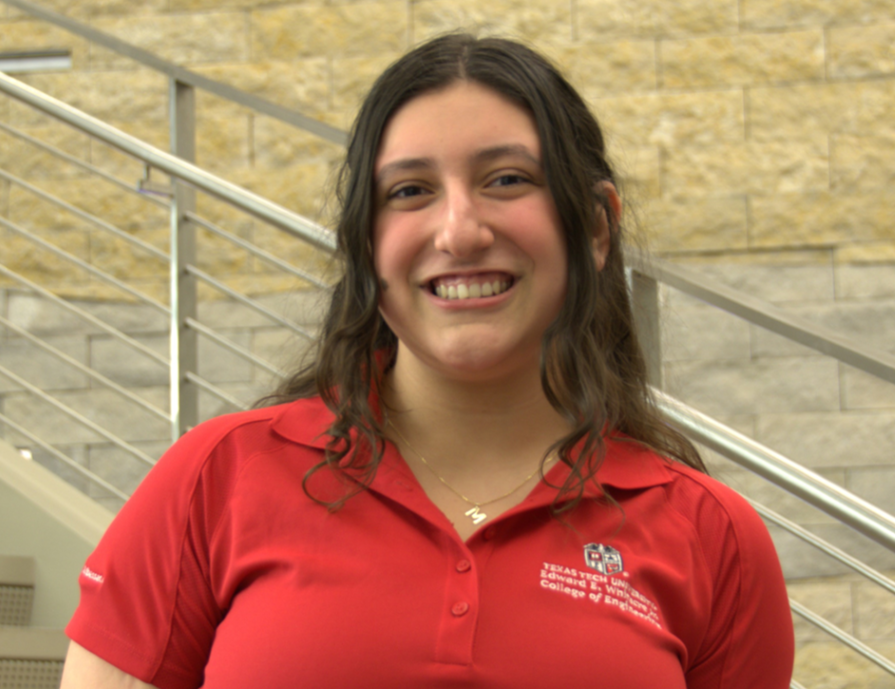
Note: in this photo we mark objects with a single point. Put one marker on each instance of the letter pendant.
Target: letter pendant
(476, 515)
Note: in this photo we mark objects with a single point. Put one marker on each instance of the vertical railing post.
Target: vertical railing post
(645, 304)
(184, 356)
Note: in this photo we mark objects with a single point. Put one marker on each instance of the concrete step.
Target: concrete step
(16, 590)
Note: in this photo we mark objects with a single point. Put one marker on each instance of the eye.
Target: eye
(508, 180)
(407, 192)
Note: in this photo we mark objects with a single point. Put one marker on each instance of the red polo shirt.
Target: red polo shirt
(221, 573)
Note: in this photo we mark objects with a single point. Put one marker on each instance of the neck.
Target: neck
(458, 423)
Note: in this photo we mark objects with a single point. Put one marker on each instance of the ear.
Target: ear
(602, 238)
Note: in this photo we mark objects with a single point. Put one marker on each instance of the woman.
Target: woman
(468, 488)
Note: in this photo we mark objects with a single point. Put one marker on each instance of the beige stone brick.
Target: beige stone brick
(856, 108)
(831, 440)
(184, 38)
(300, 84)
(750, 167)
(620, 66)
(132, 96)
(223, 142)
(363, 28)
(28, 35)
(819, 219)
(35, 263)
(533, 20)
(602, 19)
(862, 391)
(715, 223)
(294, 251)
(867, 254)
(670, 119)
(868, 280)
(742, 59)
(831, 665)
(756, 387)
(201, 5)
(24, 159)
(638, 173)
(353, 77)
(863, 162)
(114, 206)
(775, 14)
(126, 261)
(875, 612)
(830, 598)
(861, 51)
(91, 8)
(300, 187)
(280, 145)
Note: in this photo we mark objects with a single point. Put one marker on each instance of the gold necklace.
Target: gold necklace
(475, 512)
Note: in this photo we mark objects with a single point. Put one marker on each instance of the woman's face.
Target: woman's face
(467, 242)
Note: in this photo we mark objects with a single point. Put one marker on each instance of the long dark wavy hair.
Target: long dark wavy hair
(592, 368)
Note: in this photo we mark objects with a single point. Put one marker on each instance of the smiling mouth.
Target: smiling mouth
(471, 286)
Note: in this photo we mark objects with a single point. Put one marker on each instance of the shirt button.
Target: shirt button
(460, 609)
(464, 566)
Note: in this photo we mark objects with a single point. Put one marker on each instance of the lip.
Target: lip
(480, 277)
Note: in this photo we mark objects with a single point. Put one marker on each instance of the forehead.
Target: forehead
(461, 118)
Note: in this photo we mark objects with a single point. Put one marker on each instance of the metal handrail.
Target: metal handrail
(81, 419)
(193, 324)
(84, 165)
(759, 312)
(183, 75)
(824, 546)
(251, 303)
(86, 370)
(96, 272)
(843, 636)
(84, 215)
(215, 390)
(93, 320)
(193, 175)
(865, 518)
(255, 251)
(62, 457)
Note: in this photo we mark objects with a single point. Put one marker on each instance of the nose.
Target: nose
(462, 232)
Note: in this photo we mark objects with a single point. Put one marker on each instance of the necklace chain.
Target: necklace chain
(475, 513)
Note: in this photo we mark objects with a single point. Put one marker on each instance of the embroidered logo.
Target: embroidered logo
(93, 576)
(603, 558)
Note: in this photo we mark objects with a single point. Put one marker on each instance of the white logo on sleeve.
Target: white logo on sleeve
(93, 576)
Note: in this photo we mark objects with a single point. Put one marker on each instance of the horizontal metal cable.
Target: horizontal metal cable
(62, 457)
(876, 577)
(183, 75)
(84, 215)
(86, 370)
(804, 483)
(96, 272)
(253, 249)
(83, 165)
(114, 332)
(233, 347)
(71, 413)
(251, 303)
(759, 312)
(193, 175)
(214, 390)
(843, 636)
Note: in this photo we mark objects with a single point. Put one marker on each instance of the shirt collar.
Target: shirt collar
(627, 465)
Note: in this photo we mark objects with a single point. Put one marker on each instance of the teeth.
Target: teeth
(473, 290)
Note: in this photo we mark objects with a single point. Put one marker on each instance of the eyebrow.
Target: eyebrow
(484, 155)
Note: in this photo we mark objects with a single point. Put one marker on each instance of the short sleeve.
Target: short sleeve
(147, 605)
(749, 640)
